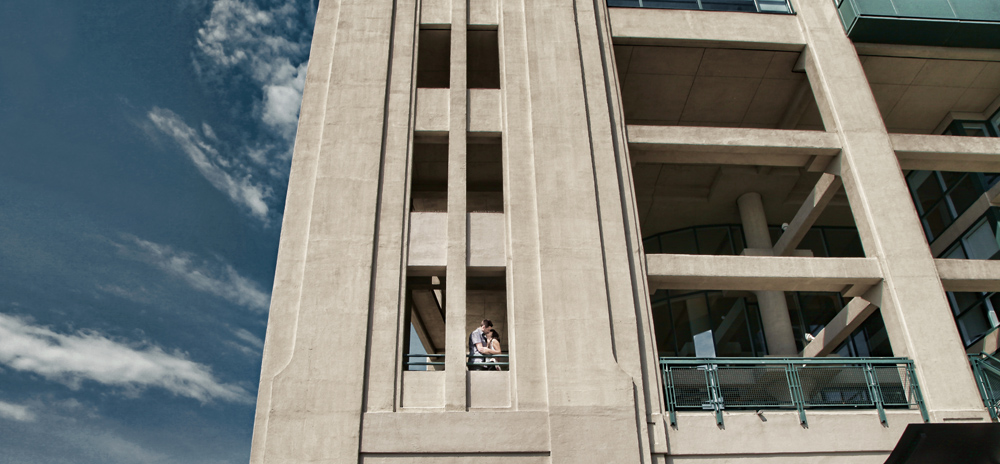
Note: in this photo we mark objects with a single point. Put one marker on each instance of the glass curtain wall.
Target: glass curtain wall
(733, 319)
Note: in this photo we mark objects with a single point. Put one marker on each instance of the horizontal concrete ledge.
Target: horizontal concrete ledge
(455, 432)
(723, 145)
(829, 431)
(719, 29)
(709, 272)
(947, 152)
(969, 275)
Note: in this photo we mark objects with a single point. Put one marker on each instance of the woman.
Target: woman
(493, 345)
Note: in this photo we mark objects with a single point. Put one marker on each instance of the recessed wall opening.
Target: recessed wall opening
(434, 59)
(484, 181)
(424, 344)
(483, 59)
(715, 87)
(694, 209)
(925, 96)
(429, 184)
(486, 298)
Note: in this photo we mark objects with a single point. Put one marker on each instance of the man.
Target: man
(477, 344)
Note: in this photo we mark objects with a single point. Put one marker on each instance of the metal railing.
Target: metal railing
(473, 361)
(410, 363)
(986, 368)
(749, 6)
(789, 383)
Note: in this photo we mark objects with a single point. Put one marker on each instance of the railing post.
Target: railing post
(917, 395)
(795, 392)
(981, 381)
(668, 381)
(714, 392)
(875, 391)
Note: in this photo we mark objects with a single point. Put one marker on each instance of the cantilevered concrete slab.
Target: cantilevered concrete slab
(706, 272)
(705, 28)
(739, 146)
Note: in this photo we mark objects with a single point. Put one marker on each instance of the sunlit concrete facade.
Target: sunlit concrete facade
(468, 159)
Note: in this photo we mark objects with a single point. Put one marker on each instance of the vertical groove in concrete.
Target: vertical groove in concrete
(388, 311)
(521, 214)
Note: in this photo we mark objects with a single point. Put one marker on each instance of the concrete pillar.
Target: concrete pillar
(456, 338)
(915, 309)
(773, 307)
(698, 315)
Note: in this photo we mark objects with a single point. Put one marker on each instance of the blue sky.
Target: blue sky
(144, 155)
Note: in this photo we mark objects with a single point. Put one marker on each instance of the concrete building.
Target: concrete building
(687, 220)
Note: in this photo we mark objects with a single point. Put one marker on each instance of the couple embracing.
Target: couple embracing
(484, 341)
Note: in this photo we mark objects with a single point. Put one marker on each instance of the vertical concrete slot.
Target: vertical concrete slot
(434, 59)
(484, 185)
(483, 54)
(429, 184)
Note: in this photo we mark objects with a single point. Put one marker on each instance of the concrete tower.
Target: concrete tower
(607, 180)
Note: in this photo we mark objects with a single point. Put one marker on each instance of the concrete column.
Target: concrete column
(915, 309)
(456, 339)
(698, 319)
(773, 307)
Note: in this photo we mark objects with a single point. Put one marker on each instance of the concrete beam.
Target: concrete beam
(969, 275)
(710, 272)
(947, 152)
(758, 147)
(811, 209)
(634, 26)
(840, 327)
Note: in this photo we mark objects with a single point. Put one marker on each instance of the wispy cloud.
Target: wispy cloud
(219, 279)
(16, 412)
(269, 43)
(258, 48)
(226, 175)
(91, 356)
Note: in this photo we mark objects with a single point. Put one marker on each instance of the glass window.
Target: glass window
(980, 242)
(963, 194)
(714, 241)
(926, 189)
(974, 323)
(680, 242)
(843, 243)
(813, 241)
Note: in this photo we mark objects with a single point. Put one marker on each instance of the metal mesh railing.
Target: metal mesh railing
(789, 383)
(987, 371)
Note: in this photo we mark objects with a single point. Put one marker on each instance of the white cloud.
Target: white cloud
(223, 281)
(269, 45)
(90, 356)
(248, 337)
(222, 173)
(16, 412)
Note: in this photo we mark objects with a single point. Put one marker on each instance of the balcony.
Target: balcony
(748, 6)
(945, 23)
(987, 371)
(716, 384)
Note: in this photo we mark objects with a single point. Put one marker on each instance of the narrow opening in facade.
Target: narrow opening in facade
(486, 299)
(483, 54)
(429, 185)
(434, 59)
(484, 181)
(424, 342)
